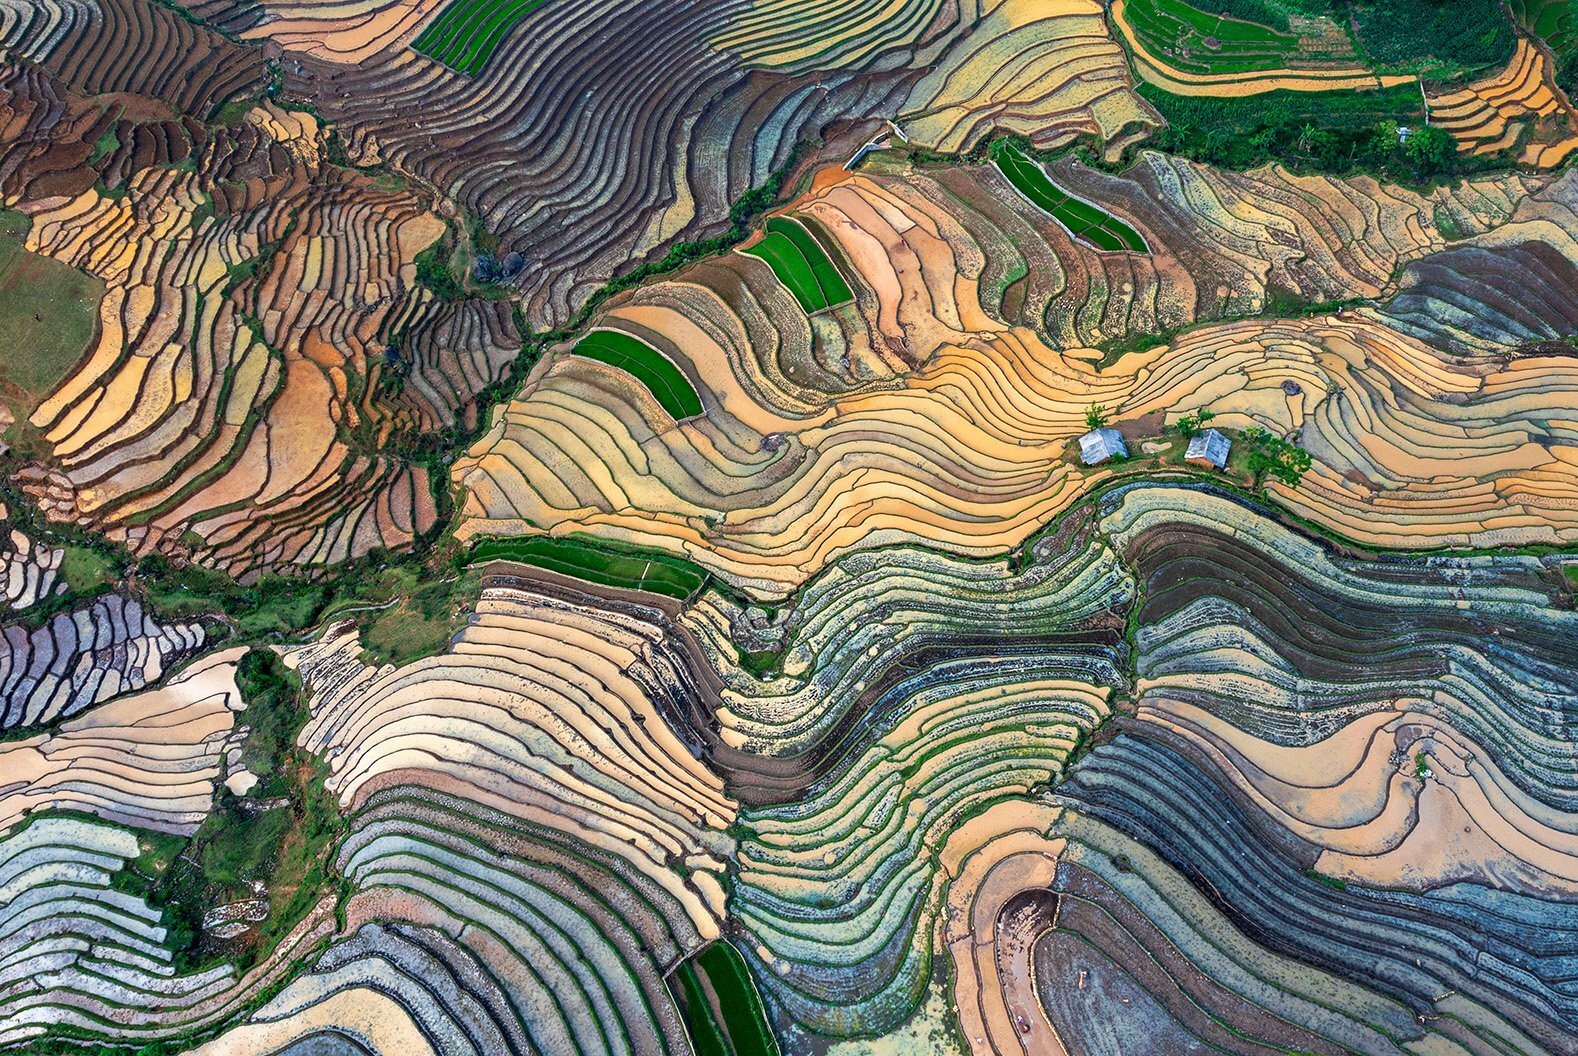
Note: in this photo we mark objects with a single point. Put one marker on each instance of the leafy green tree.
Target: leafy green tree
(1096, 417)
(1191, 424)
(1430, 150)
(1271, 455)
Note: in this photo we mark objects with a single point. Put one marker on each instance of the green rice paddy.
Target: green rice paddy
(630, 568)
(1203, 43)
(1083, 220)
(466, 32)
(802, 265)
(737, 1024)
(647, 365)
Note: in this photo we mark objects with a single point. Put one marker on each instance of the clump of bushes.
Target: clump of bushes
(1271, 456)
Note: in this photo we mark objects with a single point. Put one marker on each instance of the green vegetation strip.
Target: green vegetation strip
(1337, 132)
(744, 1030)
(466, 33)
(647, 365)
(802, 265)
(1083, 220)
(630, 568)
(287, 846)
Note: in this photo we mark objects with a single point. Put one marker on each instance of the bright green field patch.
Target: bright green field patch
(1083, 220)
(1193, 40)
(630, 568)
(834, 288)
(802, 265)
(466, 33)
(737, 1024)
(47, 308)
(647, 365)
(87, 570)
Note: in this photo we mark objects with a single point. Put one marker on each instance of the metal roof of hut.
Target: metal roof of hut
(1210, 447)
(1098, 445)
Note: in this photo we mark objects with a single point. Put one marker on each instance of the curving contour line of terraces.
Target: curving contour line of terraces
(952, 427)
(412, 645)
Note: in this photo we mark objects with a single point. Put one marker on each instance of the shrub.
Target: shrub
(1191, 424)
(1274, 456)
(1096, 417)
(433, 270)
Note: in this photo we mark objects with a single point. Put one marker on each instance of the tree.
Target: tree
(1191, 424)
(1269, 454)
(1096, 417)
(1431, 150)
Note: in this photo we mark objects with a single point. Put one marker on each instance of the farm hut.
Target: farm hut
(1098, 445)
(1208, 448)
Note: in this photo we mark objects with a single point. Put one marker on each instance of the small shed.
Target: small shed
(1098, 445)
(1208, 448)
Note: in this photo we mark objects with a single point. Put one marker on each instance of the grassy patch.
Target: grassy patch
(631, 568)
(47, 308)
(1336, 883)
(273, 605)
(1556, 23)
(737, 1024)
(270, 691)
(87, 570)
(105, 145)
(1337, 109)
(1553, 21)
(1272, 13)
(434, 270)
(1083, 220)
(421, 621)
(285, 847)
(466, 33)
(1447, 224)
(647, 365)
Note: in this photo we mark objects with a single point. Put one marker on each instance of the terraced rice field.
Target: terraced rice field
(653, 571)
(647, 365)
(1167, 41)
(723, 1012)
(1517, 109)
(1205, 43)
(801, 264)
(1083, 220)
(529, 545)
(466, 33)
